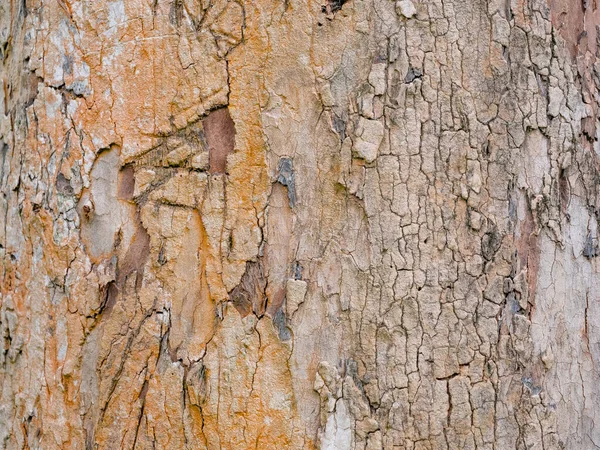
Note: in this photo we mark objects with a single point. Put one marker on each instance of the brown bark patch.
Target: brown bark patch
(249, 295)
(564, 190)
(568, 17)
(528, 250)
(576, 21)
(126, 183)
(219, 130)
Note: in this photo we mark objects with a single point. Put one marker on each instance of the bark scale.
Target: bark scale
(335, 224)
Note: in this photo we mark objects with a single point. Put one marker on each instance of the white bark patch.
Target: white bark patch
(369, 136)
(406, 8)
(338, 430)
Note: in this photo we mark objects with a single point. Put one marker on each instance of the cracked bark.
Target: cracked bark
(357, 224)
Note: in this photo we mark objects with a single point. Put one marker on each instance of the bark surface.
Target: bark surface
(272, 224)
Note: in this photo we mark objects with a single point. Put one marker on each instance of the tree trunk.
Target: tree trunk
(286, 224)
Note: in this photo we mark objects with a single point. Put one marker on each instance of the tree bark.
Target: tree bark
(272, 224)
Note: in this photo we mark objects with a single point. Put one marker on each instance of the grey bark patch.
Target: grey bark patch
(286, 177)
(490, 243)
(333, 6)
(352, 371)
(78, 88)
(297, 270)
(339, 125)
(513, 303)
(176, 13)
(279, 321)
(219, 130)
(412, 75)
(529, 384)
(590, 250)
(67, 64)
(162, 259)
(513, 202)
(63, 186)
(3, 152)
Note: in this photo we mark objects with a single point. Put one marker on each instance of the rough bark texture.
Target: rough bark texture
(270, 224)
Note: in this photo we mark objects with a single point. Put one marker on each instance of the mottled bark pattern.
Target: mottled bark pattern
(272, 224)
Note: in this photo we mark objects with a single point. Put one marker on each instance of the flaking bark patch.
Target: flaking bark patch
(249, 296)
(219, 130)
(385, 239)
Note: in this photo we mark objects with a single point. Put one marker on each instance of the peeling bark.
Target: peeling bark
(357, 224)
